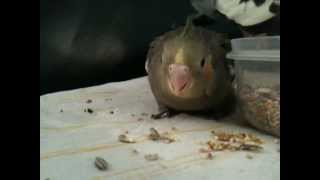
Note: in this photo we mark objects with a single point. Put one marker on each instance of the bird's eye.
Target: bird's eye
(202, 62)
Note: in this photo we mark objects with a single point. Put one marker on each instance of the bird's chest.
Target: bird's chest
(196, 104)
(181, 103)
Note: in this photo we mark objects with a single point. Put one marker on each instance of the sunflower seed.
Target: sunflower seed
(101, 164)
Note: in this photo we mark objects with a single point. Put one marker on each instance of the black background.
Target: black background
(90, 42)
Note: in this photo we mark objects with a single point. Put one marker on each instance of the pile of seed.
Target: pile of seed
(234, 142)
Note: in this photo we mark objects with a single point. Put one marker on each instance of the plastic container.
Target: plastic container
(257, 68)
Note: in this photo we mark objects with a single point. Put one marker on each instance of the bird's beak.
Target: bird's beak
(179, 78)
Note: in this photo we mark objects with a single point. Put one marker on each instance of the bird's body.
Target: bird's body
(187, 71)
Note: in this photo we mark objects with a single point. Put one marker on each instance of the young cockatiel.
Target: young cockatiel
(254, 17)
(188, 72)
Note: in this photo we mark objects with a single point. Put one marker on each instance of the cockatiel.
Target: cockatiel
(188, 72)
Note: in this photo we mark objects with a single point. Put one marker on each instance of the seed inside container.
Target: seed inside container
(261, 107)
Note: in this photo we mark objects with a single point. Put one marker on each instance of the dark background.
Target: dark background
(90, 42)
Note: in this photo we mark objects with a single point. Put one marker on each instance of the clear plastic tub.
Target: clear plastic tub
(257, 67)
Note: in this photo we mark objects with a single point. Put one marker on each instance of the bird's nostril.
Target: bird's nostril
(178, 68)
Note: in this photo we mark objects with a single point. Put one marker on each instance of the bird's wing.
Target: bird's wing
(153, 49)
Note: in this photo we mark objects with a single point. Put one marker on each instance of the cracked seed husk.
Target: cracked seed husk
(154, 135)
(151, 157)
(123, 138)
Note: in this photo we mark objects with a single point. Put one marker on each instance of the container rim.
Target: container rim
(256, 38)
(262, 55)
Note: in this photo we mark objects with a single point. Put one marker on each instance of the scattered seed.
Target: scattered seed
(101, 164)
(251, 137)
(111, 112)
(224, 136)
(154, 135)
(249, 156)
(144, 114)
(90, 111)
(165, 137)
(151, 157)
(203, 150)
(209, 156)
(134, 151)
(123, 138)
(89, 101)
(250, 147)
(61, 110)
(167, 140)
(234, 142)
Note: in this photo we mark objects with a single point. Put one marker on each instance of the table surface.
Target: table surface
(70, 139)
